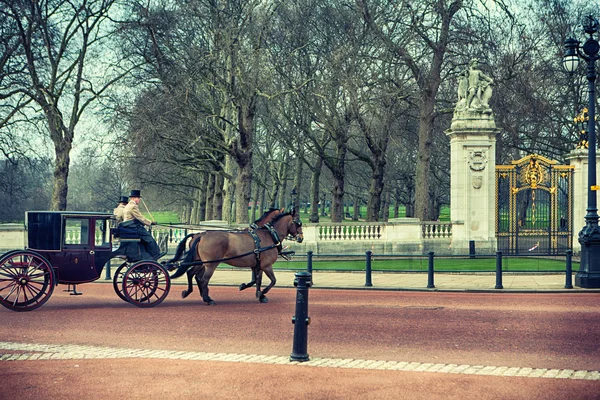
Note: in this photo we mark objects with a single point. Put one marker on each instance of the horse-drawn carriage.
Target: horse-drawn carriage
(73, 248)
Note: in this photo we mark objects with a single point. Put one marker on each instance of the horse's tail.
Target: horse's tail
(180, 248)
(189, 257)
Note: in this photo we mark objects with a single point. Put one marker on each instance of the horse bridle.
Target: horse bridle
(298, 224)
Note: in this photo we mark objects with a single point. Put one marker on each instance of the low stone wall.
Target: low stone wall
(12, 237)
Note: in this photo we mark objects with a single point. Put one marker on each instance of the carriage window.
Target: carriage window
(101, 237)
(77, 231)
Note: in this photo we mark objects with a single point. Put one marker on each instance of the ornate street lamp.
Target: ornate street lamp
(588, 275)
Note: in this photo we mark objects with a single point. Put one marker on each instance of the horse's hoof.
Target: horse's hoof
(263, 299)
(211, 303)
(243, 286)
(184, 294)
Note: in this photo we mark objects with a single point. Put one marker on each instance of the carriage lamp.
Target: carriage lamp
(588, 275)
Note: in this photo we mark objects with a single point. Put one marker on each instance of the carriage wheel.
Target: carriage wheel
(26, 280)
(146, 284)
(118, 281)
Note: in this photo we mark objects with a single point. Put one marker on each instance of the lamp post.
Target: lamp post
(588, 275)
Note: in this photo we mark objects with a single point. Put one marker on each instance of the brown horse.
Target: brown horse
(267, 217)
(238, 249)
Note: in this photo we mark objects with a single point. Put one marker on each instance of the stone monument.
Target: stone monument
(472, 164)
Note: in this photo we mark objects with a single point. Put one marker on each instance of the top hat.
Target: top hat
(135, 193)
(124, 199)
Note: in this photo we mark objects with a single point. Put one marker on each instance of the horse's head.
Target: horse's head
(296, 231)
(289, 226)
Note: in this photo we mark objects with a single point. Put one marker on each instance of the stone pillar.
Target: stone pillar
(473, 181)
(473, 164)
(579, 159)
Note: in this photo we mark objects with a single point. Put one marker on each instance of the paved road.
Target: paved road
(362, 344)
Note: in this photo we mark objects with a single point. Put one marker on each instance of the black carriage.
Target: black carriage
(71, 248)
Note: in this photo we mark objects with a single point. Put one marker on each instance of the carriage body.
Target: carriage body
(77, 244)
(72, 247)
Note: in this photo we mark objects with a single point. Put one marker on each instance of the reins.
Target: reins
(262, 249)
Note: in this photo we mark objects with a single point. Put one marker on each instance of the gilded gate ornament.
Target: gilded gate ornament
(533, 174)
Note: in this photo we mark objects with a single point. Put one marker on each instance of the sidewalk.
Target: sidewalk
(463, 282)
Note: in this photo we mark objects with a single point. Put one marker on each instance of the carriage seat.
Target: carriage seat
(125, 234)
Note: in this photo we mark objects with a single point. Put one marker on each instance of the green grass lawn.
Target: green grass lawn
(163, 217)
(440, 264)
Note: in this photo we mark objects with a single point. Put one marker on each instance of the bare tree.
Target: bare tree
(57, 44)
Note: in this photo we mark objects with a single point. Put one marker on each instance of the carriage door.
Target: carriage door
(534, 206)
(77, 257)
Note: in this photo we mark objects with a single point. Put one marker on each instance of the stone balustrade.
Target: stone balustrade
(397, 236)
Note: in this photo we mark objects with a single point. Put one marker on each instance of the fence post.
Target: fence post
(368, 281)
(430, 284)
(301, 320)
(569, 270)
(499, 270)
(309, 256)
(471, 249)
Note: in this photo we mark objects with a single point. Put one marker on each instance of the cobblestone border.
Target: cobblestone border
(33, 352)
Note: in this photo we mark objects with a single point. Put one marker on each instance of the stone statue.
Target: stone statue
(463, 87)
(474, 89)
(479, 89)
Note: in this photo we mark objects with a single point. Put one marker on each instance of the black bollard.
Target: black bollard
(301, 320)
(107, 268)
(569, 270)
(499, 270)
(430, 284)
(368, 281)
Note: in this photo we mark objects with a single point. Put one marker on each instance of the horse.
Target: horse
(238, 249)
(267, 217)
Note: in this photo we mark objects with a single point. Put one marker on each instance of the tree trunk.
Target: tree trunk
(61, 174)
(397, 204)
(263, 194)
(217, 205)
(243, 158)
(337, 198)
(254, 201)
(209, 198)
(356, 205)
(422, 176)
(314, 191)
(282, 194)
(228, 189)
(375, 192)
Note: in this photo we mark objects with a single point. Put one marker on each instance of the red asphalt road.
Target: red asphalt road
(538, 330)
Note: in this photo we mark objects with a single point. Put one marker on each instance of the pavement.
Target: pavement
(451, 282)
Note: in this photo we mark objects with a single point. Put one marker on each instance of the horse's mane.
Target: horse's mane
(277, 218)
(269, 211)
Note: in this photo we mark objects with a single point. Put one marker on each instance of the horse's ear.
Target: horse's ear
(294, 212)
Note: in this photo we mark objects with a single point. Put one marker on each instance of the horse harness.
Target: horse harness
(257, 248)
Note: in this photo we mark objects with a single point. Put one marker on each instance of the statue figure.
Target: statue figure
(479, 89)
(463, 87)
